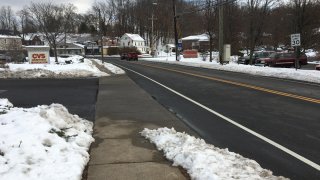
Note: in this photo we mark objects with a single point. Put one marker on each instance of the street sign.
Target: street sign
(179, 40)
(295, 40)
(179, 46)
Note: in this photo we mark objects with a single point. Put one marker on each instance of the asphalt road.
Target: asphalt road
(78, 95)
(283, 111)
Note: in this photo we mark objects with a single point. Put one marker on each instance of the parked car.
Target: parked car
(317, 67)
(4, 57)
(129, 56)
(123, 56)
(284, 59)
(255, 57)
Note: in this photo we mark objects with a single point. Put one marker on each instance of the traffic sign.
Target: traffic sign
(295, 40)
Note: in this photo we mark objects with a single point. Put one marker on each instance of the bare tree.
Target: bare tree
(257, 11)
(68, 21)
(7, 18)
(209, 25)
(26, 23)
(305, 22)
(106, 11)
(50, 20)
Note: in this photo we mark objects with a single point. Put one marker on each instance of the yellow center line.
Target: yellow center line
(241, 84)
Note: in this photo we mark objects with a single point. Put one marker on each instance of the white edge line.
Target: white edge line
(297, 156)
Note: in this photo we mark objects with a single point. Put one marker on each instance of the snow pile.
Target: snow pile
(76, 68)
(204, 161)
(311, 53)
(5, 105)
(44, 142)
(67, 58)
(114, 69)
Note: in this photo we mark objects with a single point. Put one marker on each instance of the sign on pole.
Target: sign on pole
(179, 46)
(295, 40)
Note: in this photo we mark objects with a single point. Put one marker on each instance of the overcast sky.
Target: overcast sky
(16, 5)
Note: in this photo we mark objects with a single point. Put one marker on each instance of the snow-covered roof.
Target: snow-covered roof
(201, 37)
(171, 45)
(29, 37)
(134, 37)
(9, 37)
(80, 45)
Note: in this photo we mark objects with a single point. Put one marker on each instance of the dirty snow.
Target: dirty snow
(114, 69)
(43, 142)
(77, 67)
(204, 161)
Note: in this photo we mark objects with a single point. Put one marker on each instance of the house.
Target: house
(32, 40)
(10, 43)
(91, 48)
(169, 48)
(11, 48)
(197, 42)
(133, 40)
(71, 48)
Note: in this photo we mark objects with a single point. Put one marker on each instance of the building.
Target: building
(197, 42)
(10, 43)
(169, 48)
(71, 48)
(91, 48)
(133, 40)
(11, 48)
(32, 40)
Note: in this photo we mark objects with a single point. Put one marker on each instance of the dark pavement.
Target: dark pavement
(78, 95)
(290, 122)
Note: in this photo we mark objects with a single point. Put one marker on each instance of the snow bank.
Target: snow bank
(44, 142)
(62, 70)
(285, 73)
(114, 69)
(204, 161)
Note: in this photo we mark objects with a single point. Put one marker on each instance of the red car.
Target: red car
(286, 59)
(318, 67)
(130, 56)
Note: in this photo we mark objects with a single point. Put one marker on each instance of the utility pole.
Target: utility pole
(101, 34)
(175, 28)
(152, 28)
(221, 29)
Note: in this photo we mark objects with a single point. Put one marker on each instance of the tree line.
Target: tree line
(247, 23)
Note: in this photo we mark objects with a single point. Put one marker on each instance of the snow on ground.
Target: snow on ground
(204, 161)
(114, 69)
(75, 66)
(286, 73)
(43, 142)
(311, 53)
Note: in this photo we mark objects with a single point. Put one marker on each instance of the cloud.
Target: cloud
(82, 5)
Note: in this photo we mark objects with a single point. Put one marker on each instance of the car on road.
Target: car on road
(255, 57)
(130, 56)
(284, 59)
(317, 67)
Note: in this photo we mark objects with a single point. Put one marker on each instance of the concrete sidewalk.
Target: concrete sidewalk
(123, 110)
